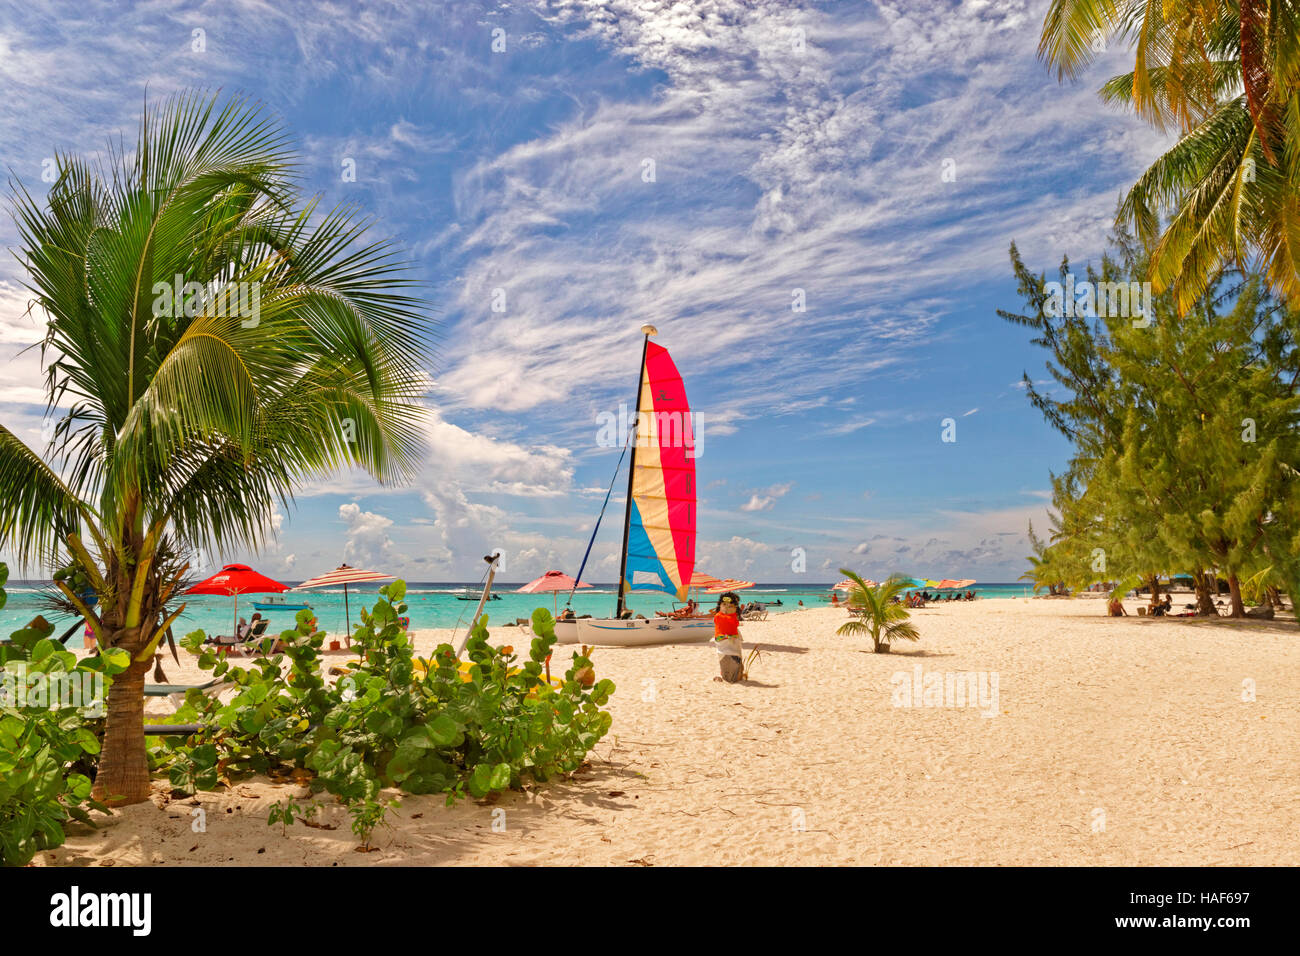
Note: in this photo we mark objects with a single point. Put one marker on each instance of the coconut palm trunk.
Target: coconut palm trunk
(123, 773)
(210, 344)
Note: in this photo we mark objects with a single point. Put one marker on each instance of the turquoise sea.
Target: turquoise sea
(431, 604)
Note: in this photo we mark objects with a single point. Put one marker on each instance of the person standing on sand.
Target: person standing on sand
(726, 637)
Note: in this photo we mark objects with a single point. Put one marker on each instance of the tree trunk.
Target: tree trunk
(1234, 593)
(1154, 582)
(1204, 597)
(123, 776)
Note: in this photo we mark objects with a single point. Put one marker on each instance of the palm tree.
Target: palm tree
(208, 347)
(1226, 73)
(1043, 570)
(877, 614)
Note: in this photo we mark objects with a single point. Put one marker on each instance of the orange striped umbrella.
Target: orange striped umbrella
(730, 584)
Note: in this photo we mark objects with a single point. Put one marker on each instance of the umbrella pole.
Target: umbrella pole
(347, 615)
(234, 615)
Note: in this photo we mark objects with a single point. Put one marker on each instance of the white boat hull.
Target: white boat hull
(636, 632)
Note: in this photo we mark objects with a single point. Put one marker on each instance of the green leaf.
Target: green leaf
(480, 781)
(444, 731)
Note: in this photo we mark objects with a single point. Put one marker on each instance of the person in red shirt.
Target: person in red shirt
(726, 638)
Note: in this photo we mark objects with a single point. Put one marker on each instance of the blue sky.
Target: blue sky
(879, 157)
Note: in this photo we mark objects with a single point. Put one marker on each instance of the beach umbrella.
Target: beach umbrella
(848, 584)
(553, 582)
(948, 584)
(344, 574)
(730, 584)
(701, 580)
(237, 579)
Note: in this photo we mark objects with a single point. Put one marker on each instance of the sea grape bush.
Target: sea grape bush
(47, 752)
(393, 720)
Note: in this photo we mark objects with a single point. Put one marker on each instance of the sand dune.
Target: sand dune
(1115, 741)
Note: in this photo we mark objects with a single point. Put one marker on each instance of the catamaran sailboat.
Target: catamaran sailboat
(659, 521)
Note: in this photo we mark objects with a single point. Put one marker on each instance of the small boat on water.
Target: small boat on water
(659, 520)
(280, 604)
(468, 595)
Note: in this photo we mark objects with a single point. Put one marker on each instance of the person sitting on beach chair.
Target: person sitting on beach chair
(247, 643)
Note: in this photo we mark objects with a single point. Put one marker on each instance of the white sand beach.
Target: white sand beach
(1115, 742)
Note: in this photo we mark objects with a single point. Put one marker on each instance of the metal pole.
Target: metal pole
(493, 560)
(631, 476)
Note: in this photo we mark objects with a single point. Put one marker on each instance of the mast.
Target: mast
(647, 330)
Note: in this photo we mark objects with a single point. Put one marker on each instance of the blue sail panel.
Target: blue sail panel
(642, 557)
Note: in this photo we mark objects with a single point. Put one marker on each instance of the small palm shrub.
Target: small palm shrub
(876, 613)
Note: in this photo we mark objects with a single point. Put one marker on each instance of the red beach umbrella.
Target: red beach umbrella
(237, 579)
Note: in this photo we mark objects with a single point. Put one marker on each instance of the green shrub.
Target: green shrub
(48, 744)
(394, 720)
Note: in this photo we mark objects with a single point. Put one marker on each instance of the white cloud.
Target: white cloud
(367, 544)
(766, 498)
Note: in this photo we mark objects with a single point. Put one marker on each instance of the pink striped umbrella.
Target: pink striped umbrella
(848, 584)
(344, 575)
(554, 582)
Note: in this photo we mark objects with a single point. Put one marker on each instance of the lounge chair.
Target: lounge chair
(248, 645)
(178, 691)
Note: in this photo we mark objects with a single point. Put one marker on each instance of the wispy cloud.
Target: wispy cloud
(826, 186)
